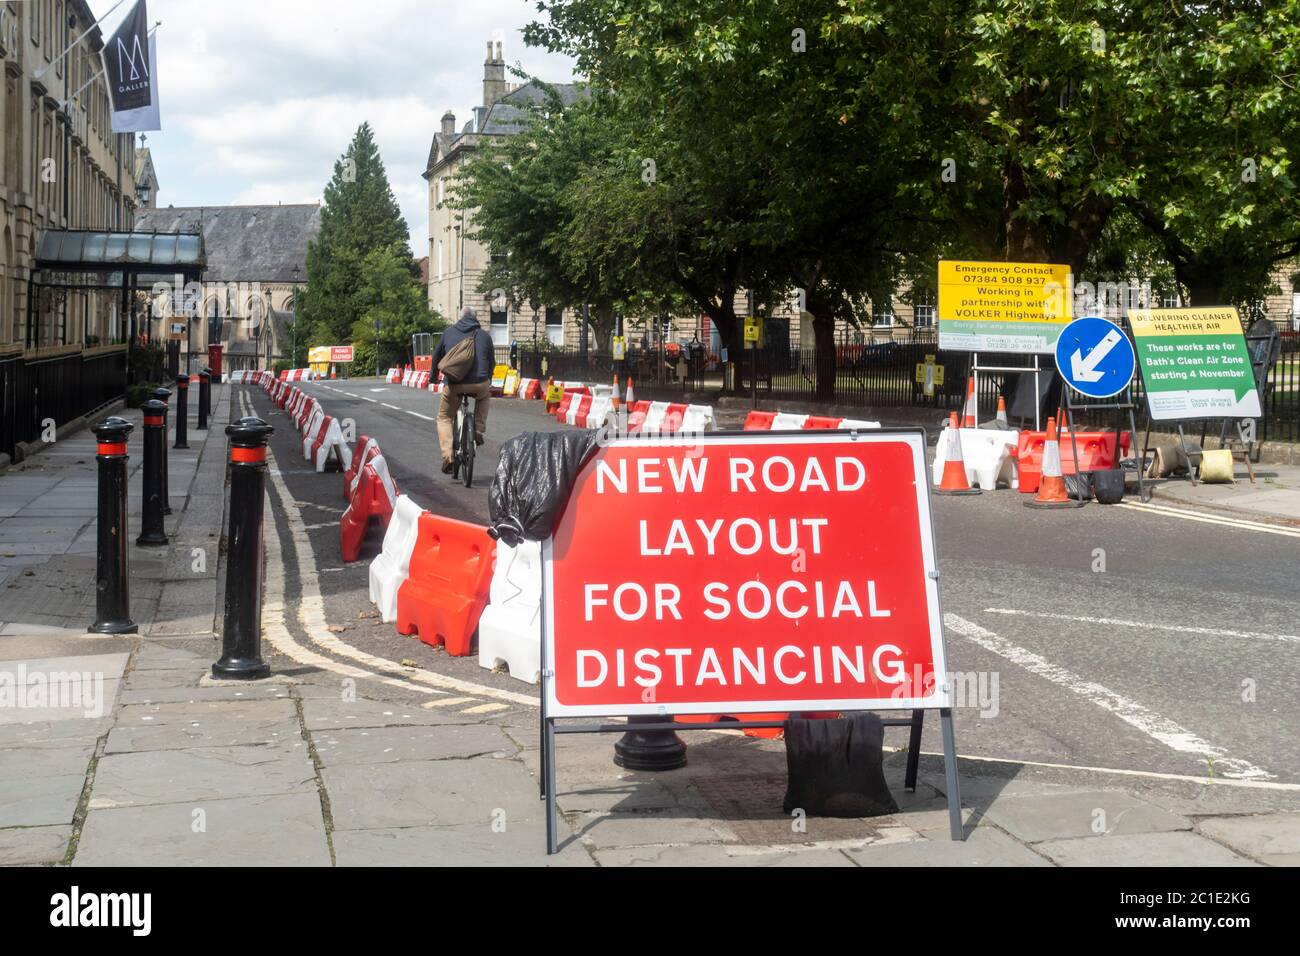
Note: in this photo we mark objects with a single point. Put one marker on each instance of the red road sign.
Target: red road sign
(340, 353)
(762, 571)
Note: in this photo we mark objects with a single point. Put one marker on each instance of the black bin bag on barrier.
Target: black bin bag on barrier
(534, 478)
(834, 767)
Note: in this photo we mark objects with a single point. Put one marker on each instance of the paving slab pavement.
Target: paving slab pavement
(305, 769)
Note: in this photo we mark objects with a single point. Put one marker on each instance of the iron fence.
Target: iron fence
(882, 374)
(58, 388)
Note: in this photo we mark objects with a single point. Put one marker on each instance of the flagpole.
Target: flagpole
(43, 70)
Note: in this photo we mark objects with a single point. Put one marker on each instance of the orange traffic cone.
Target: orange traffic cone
(630, 397)
(972, 410)
(550, 405)
(616, 395)
(954, 468)
(1002, 411)
(1051, 488)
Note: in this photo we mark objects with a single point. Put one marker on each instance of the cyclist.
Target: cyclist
(476, 382)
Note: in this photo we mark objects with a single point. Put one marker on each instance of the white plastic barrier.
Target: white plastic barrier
(601, 408)
(315, 422)
(406, 377)
(989, 456)
(332, 441)
(392, 376)
(393, 565)
(697, 418)
(510, 630)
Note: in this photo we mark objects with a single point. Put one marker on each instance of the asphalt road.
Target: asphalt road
(1108, 637)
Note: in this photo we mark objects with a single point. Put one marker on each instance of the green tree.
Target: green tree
(392, 307)
(359, 215)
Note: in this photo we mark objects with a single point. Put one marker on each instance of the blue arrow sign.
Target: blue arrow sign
(1095, 357)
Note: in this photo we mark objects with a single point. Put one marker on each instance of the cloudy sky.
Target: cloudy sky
(259, 97)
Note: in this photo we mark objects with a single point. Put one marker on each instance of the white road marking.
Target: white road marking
(395, 408)
(351, 395)
(1159, 728)
(1240, 523)
(427, 418)
(1145, 625)
(1148, 774)
(367, 399)
(311, 614)
(447, 702)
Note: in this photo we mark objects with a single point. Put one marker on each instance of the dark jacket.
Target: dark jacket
(484, 355)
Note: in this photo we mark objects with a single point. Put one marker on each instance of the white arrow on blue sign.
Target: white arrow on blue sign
(1095, 357)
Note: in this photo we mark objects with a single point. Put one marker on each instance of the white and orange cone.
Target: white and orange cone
(972, 410)
(1002, 411)
(953, 481)
(1052, 492)
(631, 398)
(615, 396)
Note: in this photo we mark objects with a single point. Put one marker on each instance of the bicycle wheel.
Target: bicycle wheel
(467, 443)
(455, 444)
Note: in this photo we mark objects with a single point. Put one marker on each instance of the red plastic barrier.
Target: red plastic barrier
(562, 410)
(759, 421)
(814, 421)
(636, 415)
(370, 499)
(444, 595)
(768, 733)
(1096, 453)
(284, 375)
(368, 449)
(534, 389)
(672, 422)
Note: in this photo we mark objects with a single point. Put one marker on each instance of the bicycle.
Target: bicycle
(462, 442)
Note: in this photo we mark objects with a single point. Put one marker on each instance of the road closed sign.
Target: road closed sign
(746, 572)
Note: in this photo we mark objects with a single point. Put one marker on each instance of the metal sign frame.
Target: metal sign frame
(941, 700)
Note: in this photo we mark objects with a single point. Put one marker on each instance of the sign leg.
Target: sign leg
(950, 775)
(914, 750)
(548, 752)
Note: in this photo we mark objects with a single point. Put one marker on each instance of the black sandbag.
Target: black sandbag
(535, 475)
(834, 767)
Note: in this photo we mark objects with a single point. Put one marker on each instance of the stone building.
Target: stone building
(256, 260)
(61, 167)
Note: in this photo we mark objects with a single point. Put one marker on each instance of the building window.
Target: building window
(554, 325)
(499, 323)
(441, 191)
(882, 314)
(1169, 301)
(923, 311)
(440, 257)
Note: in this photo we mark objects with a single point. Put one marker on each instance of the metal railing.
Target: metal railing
(35, 391)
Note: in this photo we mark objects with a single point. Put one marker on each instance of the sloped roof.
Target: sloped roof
(243, 243)
(505, 117)
(143, 161)
(508, 115)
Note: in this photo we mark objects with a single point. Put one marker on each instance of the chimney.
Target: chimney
(449, 123)
(494, 76)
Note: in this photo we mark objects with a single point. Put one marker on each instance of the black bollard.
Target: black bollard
(164, 396)
(182, 410)
(241, 643)
(152, 532)
(205, 398)
(650, 749)
(112, 580)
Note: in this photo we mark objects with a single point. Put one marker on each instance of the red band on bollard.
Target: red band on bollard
(153, 420)
(248, 454)
(182, 384)
(111, 448)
